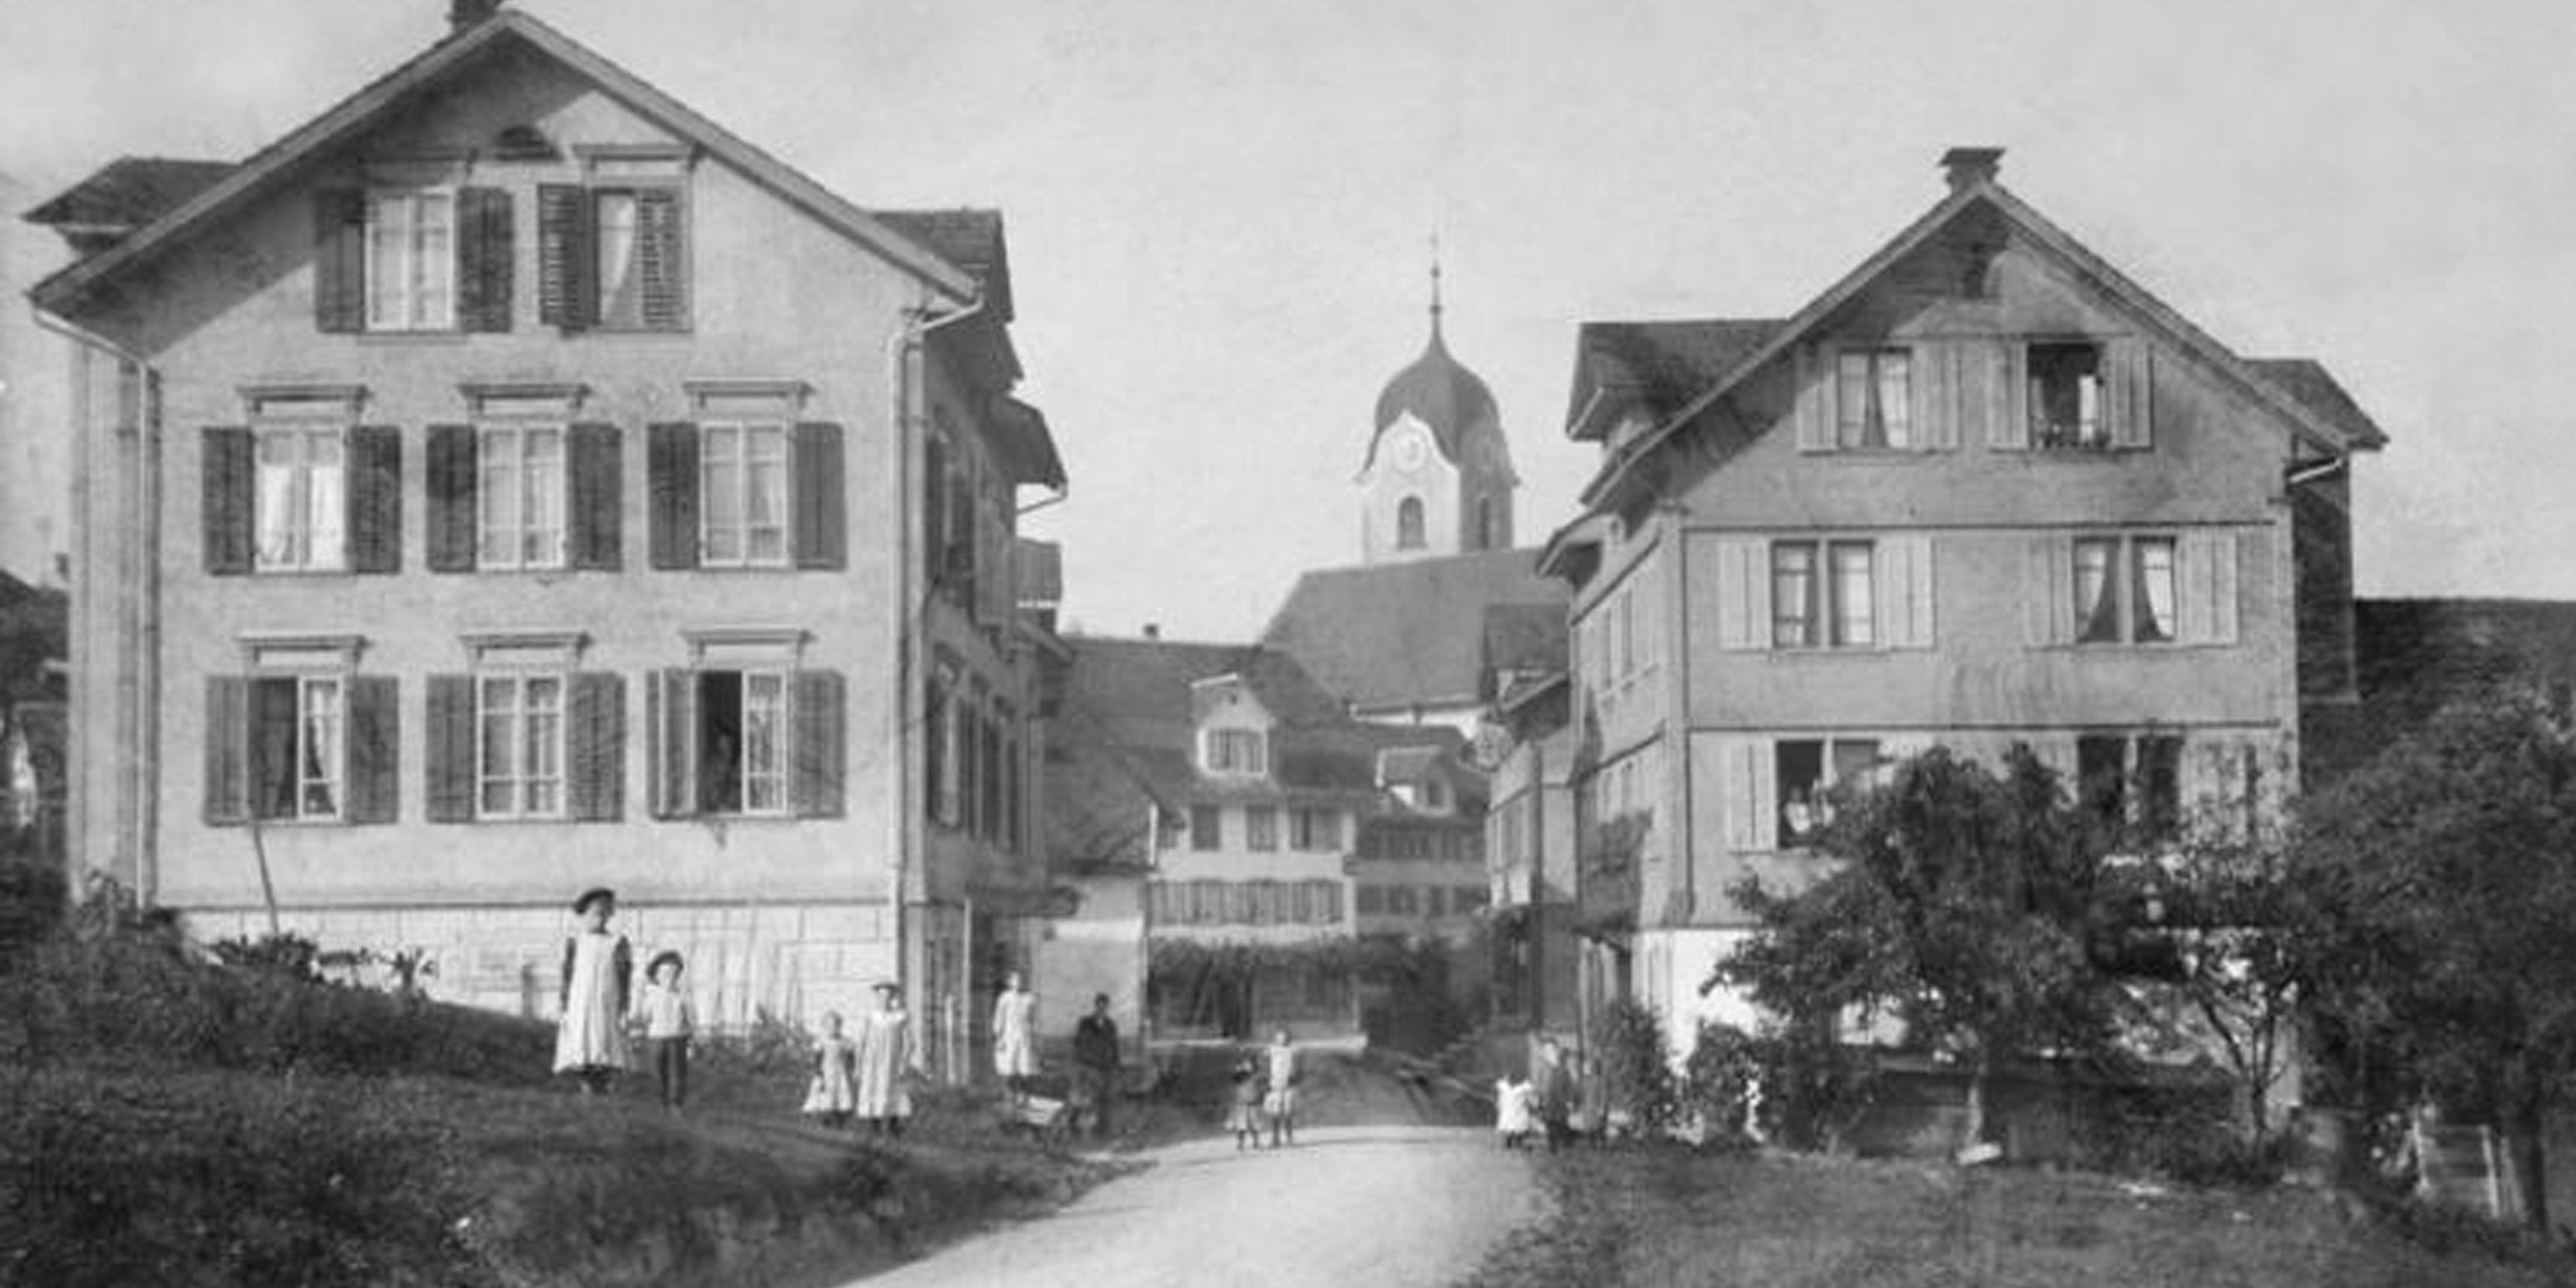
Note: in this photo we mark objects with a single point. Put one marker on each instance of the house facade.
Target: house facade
(510, 482)
(1984, 491)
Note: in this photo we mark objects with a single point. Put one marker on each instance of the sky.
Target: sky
(1220, 212)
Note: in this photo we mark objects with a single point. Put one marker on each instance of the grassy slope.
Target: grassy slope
(1665, 1216)
(166, 1122)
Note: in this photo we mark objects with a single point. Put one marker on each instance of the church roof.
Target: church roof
(1439, 392)
(1386, 636)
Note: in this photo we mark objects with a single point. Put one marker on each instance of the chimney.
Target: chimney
(462, 14)
(1153, 630)
(1968, 167)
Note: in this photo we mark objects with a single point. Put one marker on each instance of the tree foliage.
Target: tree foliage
(1966, 905)
(2445, 966)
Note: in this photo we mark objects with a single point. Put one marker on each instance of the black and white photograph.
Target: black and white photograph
(1417, 643)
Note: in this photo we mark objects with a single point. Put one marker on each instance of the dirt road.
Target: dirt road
(1388, 1207)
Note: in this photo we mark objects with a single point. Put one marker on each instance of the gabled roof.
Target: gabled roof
(279, 162)
(1664, 364)
(129, 192)
(1396, 635)
(2308, 381)
(1135, 695)
(969, 238)
(2333, 437)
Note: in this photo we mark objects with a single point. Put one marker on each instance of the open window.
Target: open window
(2066, 404)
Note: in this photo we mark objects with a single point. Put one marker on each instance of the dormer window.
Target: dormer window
(1435, 795)
(1236, 751)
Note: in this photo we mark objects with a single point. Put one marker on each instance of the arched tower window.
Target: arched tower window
(1484, 523)
(1408, 523)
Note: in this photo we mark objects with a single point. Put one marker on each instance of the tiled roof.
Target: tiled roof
(1394, 635)
(129, 192)
(2315, 388)
(1026, 444)
(1135, 696)
(1525, 637)
(967, 237)
(1665, 363)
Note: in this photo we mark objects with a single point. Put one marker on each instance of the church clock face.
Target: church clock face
(1410, 453)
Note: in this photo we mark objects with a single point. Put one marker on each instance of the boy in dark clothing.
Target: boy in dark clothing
(1095, 1061)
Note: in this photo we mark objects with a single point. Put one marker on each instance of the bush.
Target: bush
(1634, 1065)
(1815, 1089)
(2179, 1132)
(33, 900)
(1721, 1079)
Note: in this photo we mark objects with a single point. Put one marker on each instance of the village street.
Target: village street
(1379, 1205)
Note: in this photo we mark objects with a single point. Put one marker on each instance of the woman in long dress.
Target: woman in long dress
(1014, 1050)
(889, 1052)
(590, 1042)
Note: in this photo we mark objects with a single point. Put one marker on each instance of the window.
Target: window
(1205, 831)
(1435, 794)
(521, 493)
(2131, 781)
(1314, 829)
(742, 752)
(1873, 398)
(1467, 899)
(1402, 901)
(1237, 751)
(411, 260)
(2066, 396)
(1806, 772)
(1372, 901)
(519, 763)
(1261, 827)
(1408, 523)
(1485, 538)
(1327, 901)
(297, 749)
(302, 500)
(1434, 902)
(612, 257)
(742, 488)
(1167, 830)
(1832, 606)
(2125, 600)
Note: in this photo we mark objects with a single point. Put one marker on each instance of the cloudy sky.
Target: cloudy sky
(1219, 210)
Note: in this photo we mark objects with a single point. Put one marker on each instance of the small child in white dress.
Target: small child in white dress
(1514, 1105)
(833, 1094)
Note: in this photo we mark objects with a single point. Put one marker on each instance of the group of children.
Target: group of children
(867, 1077)
(1265, 1095)
(601, 1008)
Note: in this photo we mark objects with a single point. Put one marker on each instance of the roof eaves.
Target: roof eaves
(343, 118)
(1905, 242)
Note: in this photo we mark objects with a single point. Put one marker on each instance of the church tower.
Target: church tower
(1438, 477)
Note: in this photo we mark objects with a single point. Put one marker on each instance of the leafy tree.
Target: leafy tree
(2446, 966)
(1963, 903)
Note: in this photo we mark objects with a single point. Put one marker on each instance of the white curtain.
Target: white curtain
(326, 499)
(2155, 590)
(320, 763)
(1895, 401)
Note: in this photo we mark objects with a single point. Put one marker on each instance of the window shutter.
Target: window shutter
(565, 296)
(674, 486)
(448, 777)
(1743, 593)
(230, 505)
(375, 750)
(1750, 793)
(449, 530)
(2206, 578)
(375, 499)
(2007, 421)
(1934, 369)
(2131, 388)
(597, 746)
(821, 719)
(340, 260)
(671, 711)
(1904, 586)
(1815, 398)
(485, 259)
(820, 524)
(227, 749)
(661, 251)
(598, 495)
(2048, 593)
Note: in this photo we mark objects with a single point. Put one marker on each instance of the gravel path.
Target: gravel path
(1386, 1207)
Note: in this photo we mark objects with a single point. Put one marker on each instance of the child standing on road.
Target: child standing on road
(832, 1095)
(1281, 1104)
(1243, 1116)
(1511, 1111)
